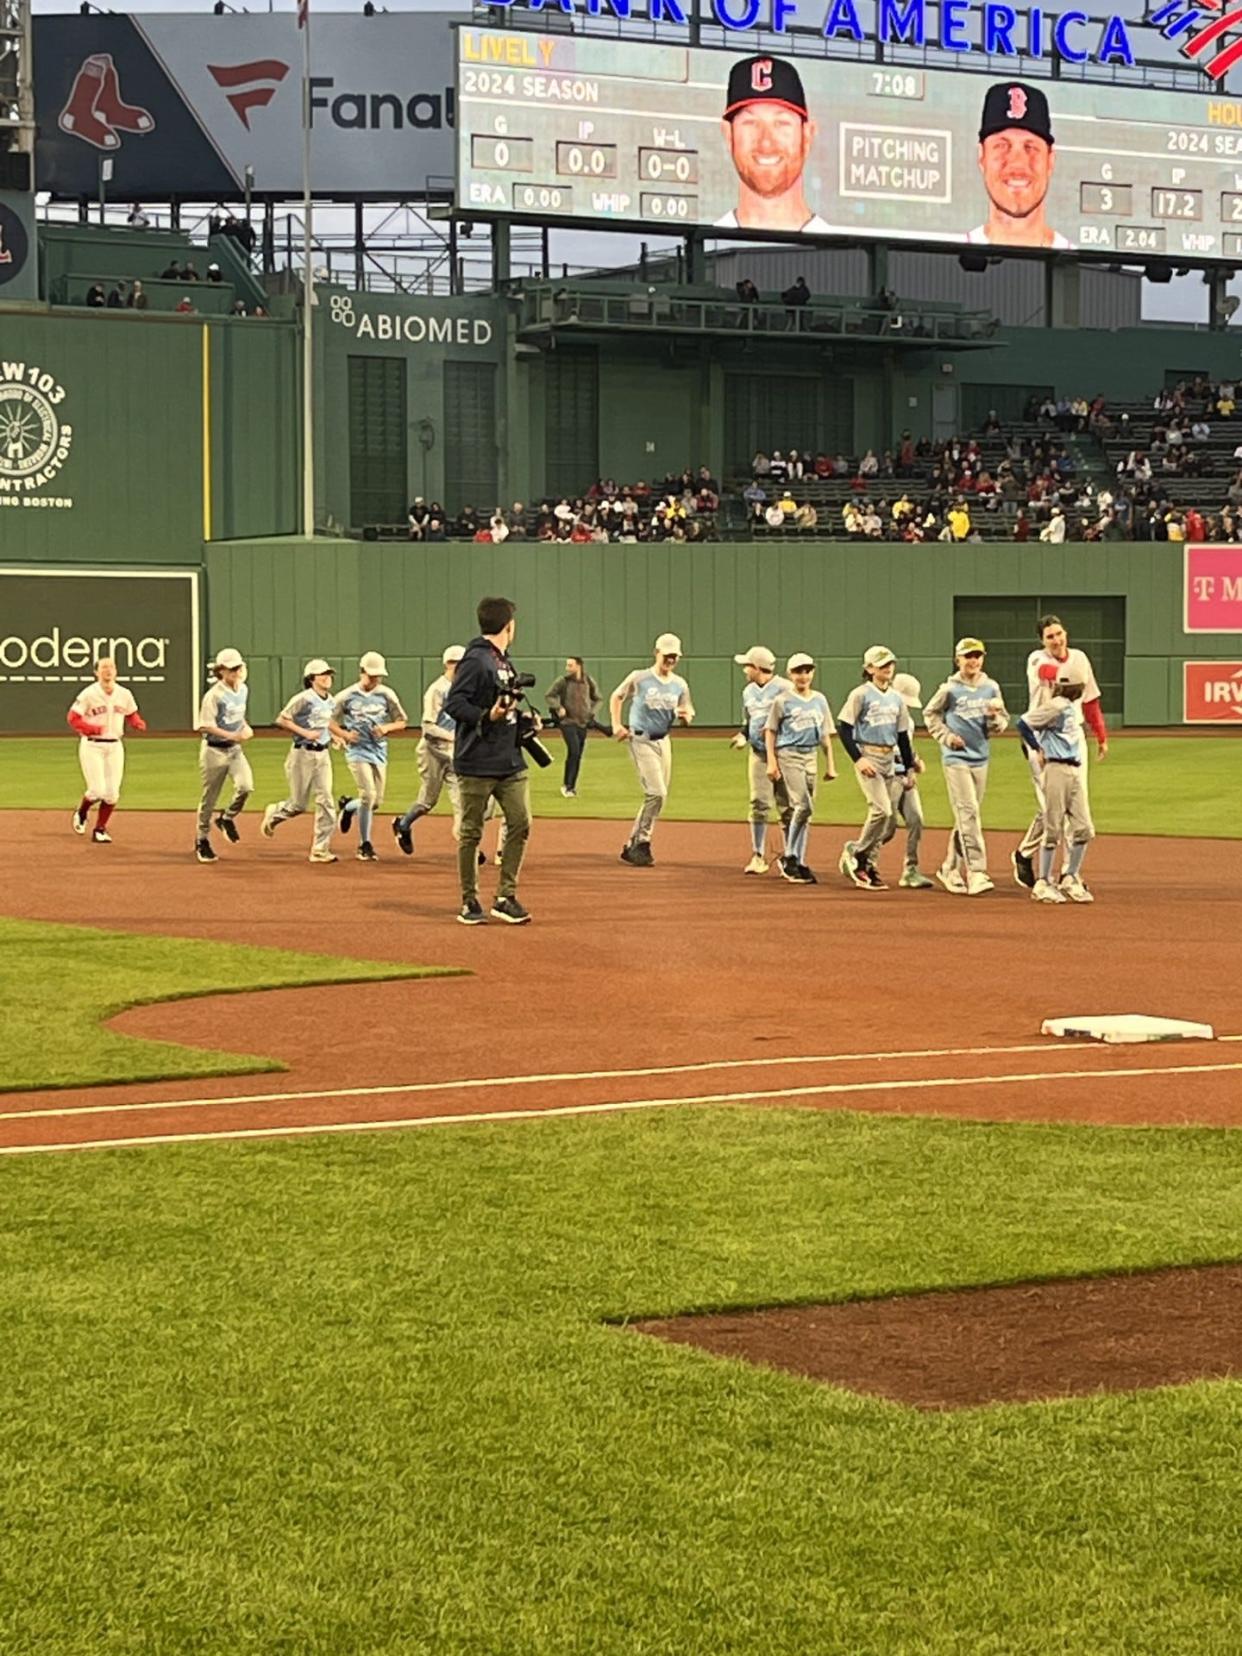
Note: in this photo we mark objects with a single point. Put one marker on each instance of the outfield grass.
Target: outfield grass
(59, 983)
(1148, 785)
(353, 1397)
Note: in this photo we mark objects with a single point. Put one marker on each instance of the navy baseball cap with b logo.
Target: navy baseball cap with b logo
(764, 80)
(1014, 104)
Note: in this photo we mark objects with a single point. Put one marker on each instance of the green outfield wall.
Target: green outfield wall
(282, 601)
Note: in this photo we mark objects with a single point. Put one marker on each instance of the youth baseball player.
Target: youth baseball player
(222, 724)
(99, 715)
(308, 718)
(1051, 728)
(799, 726)
(903, 793)
(659, 699)
(1071, 664)
(434, 754)
(762, 688)
(963, 716)
(875, 729)
(368, 713)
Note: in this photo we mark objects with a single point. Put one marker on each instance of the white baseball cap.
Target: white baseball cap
(453, 653)
(758, 657)
(908, 688)
(799, 659)
(374, 663)
(229, 658)
(668, 644)
(879, 655)
(316, 666)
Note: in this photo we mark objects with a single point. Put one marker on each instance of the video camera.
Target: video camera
(527, 734)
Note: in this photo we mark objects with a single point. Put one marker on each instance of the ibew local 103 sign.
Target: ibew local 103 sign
(1212, 692)
(1212, 595)
(952, 26)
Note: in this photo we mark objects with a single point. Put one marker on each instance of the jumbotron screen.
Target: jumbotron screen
(667, 137)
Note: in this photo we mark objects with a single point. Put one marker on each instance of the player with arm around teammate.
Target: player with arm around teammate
(963, 716)
(99, 714)
(1051, 730)
(659, 699)
(1087, 711)
(309, 719)
(222, 725)
(368, 713)
(762, 688)
(903, 793)
(799, 726)
(875, 729)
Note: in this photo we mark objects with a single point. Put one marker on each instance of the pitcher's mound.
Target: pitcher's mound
(1018, 1344)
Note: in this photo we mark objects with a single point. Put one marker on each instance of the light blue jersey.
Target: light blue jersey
(961, 709)
(361, 710)
(437, 722)
(1053, 725)
(876, 715)
(311, 714)
(800, 722)
(655, 701)
(757, 701)
(224, 708)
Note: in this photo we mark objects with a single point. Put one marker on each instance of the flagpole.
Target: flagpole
(308, 290)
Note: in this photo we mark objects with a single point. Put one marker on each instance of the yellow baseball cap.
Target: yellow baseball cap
(969, 646)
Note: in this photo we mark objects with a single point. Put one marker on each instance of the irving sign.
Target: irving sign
(1212, 692)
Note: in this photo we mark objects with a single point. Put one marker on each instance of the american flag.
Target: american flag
(303, 13)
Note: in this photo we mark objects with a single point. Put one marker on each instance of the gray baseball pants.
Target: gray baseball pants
(800, 779)
(908, 809)
(1067, 811)
(966, 785)
(310, 778)
(881, 821)
(653, 760)
(214, 764)
(1034, 836)
(766, 795)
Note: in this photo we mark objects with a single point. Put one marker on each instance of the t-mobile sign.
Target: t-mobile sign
(1213, 589)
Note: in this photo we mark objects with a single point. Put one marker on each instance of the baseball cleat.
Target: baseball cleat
(471, 913)
(912, 879)
(1043, 892)
(204, 852)
(510, 911)
(228, 828)
(874, 881)
(1076, 891)
(403, 836)
(1023, 870)
(756, 865)
(805, 876)
(789, 869)
(322, 857)
(481, 860)
(952, 881)
(977, 884)
(344, 816)
(268, 825)
(79, 823)
(637, 855)
(569, 793)
(101, 836)
(853, 866)
(366, 852)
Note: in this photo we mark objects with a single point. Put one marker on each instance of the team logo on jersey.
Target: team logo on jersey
(35, 438)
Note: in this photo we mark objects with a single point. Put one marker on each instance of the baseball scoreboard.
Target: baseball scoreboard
(601, 131)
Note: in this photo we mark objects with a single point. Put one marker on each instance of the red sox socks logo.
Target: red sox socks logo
(1174, 19)
(96, 111)
(244, 77)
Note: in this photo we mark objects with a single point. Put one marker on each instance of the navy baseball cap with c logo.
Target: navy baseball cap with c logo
(1015, 104)
(764, 80)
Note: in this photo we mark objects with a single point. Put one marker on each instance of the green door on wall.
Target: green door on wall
(377, 440)
(1009, 628)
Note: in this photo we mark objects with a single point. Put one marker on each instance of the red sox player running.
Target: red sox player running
(99, 715)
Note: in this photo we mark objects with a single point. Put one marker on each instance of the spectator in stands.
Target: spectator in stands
(95, 297)
(1053, 532)
(958, 520)
(747, 292)
(872, 522)
(437, 523)
(788, 506)
(468, 524)
(1225, 402)
(992, 424)
(794, 298)
(1200, 430)
(778, 469)
(1196, 528)
(214, 273)
(869, 465)
(137, 219)
(1021, 525)
(498, 527)
(760, 466)
(418, 517)
(260, 311)
(795, 466)
(756, 498)
(905, 456)
(116, 298)
(238, 308)
(172, 273)
(518, 528)
(773, 516)
(184, 306)
(705, 480)
(137, 297)
(1174, 527)
(822, 467)
(189, 274)
(806, 517)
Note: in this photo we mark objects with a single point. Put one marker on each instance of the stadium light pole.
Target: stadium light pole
(308, 290)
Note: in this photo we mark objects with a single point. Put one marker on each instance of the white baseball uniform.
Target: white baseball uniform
(102, 757)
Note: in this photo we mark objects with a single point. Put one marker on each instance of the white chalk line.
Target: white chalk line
(474, 1083)
(305, 1129)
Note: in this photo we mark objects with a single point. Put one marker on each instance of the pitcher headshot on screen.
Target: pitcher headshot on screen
(1016, 160)
(769, 134)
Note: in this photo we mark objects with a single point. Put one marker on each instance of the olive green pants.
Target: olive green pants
(512, 796)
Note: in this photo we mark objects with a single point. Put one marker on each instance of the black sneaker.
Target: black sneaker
(805, 877)
(344, 816)
(511, 911)
(203, 851)
(629, 854)
(471, 913)
(1023, 870)
(403, 836)
(480, 860)
(228, 828)
(874, 882)
(789, 869)
(366, 852)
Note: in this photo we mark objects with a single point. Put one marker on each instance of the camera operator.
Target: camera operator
(490, 759)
